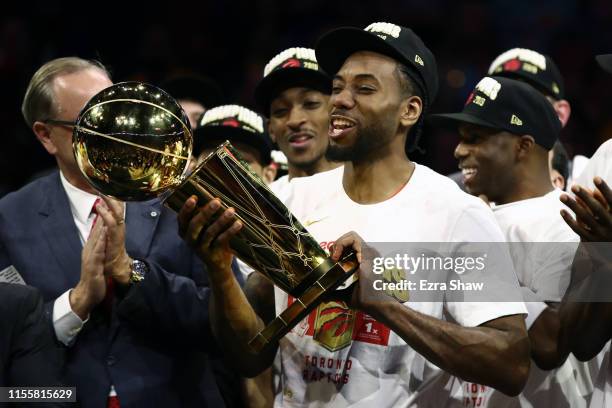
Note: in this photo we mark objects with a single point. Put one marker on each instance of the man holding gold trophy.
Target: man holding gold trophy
(371, 349)
(359, 345)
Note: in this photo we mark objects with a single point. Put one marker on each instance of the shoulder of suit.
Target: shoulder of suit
(32, 190)
(14, 296)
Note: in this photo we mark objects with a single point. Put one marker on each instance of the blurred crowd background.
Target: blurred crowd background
(232, 41)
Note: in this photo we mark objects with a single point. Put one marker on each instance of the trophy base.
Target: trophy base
(303, 305)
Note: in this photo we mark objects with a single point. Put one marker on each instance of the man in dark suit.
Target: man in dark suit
(29, 355)
(121, 343)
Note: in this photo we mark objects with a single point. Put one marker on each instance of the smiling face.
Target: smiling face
(486, 159)
(366, 106)
(299, 121)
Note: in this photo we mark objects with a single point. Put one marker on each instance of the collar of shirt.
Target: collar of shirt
(81, 202)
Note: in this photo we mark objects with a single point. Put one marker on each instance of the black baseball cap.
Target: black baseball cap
(236, 124)
(293, 67)
(538, 70)
(389, 39)
(507, 104)
(194, 87)
(605, 61)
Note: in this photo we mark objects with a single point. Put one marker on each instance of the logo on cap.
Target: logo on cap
(532, 61)
(233, 115)
(419, 60)
(555, 88)
(385, 29)
(293, 58)
(291, 63)
(488, 86)
(514, 120)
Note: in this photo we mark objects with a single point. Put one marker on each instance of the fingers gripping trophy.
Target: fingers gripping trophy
(132, 141)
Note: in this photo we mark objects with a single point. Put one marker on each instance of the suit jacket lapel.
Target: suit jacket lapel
(141, 220)
(60, 231)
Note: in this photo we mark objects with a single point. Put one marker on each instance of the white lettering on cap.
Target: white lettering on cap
(489, 86)
(522, 54)
(305, 54)
(241, 113)
(385, 28)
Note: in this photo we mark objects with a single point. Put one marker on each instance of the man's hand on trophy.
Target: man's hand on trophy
(364, 295)
(117, 263)
(208, 229)
(91, 289)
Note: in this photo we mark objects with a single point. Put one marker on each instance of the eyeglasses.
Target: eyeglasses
(58, 122)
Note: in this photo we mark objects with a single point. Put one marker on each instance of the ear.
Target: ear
(411, 109)
(563, 110)
(43, 134)
(557, 179)
(269, 173)
(524, 146)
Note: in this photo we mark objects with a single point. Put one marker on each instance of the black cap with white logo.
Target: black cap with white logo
(293, 67)
(536, 69)
(392, 40)
(236, 124)
(507, 104)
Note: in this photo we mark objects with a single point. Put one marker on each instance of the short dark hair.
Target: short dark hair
(409, 87)
(560, 160)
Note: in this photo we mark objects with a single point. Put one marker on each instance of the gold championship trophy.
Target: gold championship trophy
(132, 142)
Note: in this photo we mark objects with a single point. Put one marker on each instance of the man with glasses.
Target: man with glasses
(123, 349)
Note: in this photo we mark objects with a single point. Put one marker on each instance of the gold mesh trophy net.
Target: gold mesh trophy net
(131, 141)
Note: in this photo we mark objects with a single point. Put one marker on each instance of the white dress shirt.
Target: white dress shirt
(66, 323)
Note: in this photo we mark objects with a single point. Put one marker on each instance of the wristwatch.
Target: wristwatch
(138, 271)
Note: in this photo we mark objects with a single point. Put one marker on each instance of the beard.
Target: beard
(367, 144)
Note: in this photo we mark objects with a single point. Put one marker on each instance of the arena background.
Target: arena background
(231, 42)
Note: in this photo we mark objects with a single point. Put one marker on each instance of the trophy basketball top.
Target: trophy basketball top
(132, 141)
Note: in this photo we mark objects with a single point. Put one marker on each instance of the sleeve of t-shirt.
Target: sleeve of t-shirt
(476, 234)
(599, 165)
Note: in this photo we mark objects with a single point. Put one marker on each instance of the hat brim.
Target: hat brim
(212, 136)
(605, 62)
(336, 46)
(453, 120)
(282, 79)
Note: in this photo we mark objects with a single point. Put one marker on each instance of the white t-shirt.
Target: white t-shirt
(542, 247)
(339, 357)
(281, 188)
(600, 165)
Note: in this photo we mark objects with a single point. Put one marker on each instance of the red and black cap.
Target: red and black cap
(293, 67)
(538, 70)
(507, 104)
(605, 61)
(193, 87)
(397, 42)
(236, 124)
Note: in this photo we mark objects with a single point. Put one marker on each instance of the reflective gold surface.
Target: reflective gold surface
(272, 240)
(132, 141)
